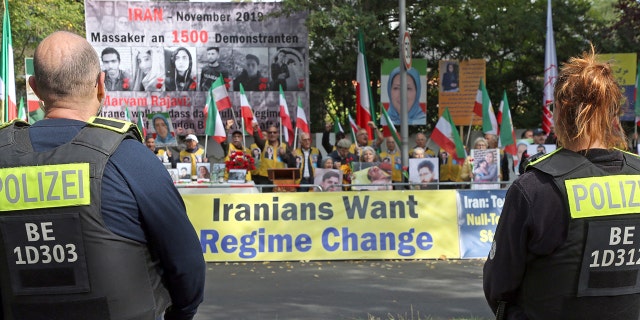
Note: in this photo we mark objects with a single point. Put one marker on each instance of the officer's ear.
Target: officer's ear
(100, 86)
(32, 83)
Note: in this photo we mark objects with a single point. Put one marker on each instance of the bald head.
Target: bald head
(67, 75)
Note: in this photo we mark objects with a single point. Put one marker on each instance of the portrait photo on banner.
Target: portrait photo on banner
(162, 129)
(485, 167)
(390, 91)
(217, 172)
(173, 173)
(203, 172)
(184, 171)
(180, 69)
(372, 176)
(424, 173)
(328, 179)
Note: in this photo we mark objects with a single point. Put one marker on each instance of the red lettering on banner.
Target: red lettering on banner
(145, 14)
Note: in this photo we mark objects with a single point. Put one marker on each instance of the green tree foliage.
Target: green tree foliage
(32, 20)
(508, 34)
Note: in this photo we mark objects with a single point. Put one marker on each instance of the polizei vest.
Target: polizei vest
(595, 274)
(57, 258)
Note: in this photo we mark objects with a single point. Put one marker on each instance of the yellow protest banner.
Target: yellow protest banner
(326, 226)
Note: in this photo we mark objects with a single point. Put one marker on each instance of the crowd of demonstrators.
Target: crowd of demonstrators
(549, 258)
(138, 254)
(421, 143)
(362, 139)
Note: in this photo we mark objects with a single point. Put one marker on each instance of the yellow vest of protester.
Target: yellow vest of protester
(194, 156)
(269, 159)
(395, 159)
(314, 154)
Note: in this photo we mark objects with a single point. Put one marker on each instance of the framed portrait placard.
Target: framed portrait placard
(237, 175)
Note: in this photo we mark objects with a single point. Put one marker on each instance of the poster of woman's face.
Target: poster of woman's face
(203, 172)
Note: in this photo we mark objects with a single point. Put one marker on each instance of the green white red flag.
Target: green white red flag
(388, 129)
(447, 137)
(246, 112)
(550, 73)
(483, 108)
(285, 119)
(507, 138)
(364, 98)
(354, 128)
(7, 73)
(141, 126)
(337, 127)
(22, 111)
(219, 91)
(127, 114)
(213, 126)
(301, 118)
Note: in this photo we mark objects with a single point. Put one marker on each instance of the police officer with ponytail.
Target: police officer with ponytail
(91, 224)
(568, 242)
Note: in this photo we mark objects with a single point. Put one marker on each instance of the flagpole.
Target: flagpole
(206, 140)
(280, 131)
(295, 138)
(469, 133)
(243, 130)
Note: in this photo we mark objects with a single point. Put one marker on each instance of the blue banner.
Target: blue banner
(478, 215)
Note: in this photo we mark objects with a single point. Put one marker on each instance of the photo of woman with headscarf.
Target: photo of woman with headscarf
(149, 70)
(179, 76)
(450, 81)
(414, 89)
(163, 130)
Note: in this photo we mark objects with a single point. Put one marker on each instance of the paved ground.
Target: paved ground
(385, 290)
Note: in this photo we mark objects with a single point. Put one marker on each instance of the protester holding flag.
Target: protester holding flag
(273, 155)
(362, 139)
(421, 142)
(328, 127)
(565, 245)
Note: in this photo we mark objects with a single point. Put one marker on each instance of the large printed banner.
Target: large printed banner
(459, 82)
(478, 215)
(326, 225)
(163, 57)
(624, 69)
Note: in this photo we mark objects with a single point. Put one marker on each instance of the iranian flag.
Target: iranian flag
(246, 112)
(354, 128)
(219, 92)
(550, 73)
(483, 108)
(301, 119)
(447, 137)
(337, 127)
(22, 111)
(285, 118)
(388, 129)
(7, 73)
(127, 114)
(364, 109)
(213, 125)
(141, 126)
(507, 137)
